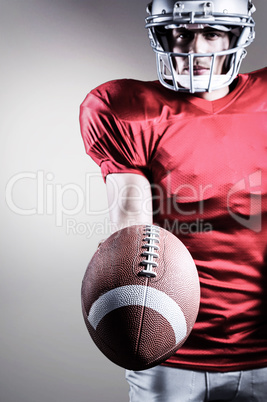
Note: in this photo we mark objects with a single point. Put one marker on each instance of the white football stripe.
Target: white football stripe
(138, 295)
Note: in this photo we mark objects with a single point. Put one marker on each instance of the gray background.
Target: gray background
(53, 52)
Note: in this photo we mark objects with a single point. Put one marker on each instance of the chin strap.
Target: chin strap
(203, 83)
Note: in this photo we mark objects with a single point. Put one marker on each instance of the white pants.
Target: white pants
(166, 384)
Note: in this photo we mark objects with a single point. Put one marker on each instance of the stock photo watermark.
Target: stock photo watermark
(48, 197)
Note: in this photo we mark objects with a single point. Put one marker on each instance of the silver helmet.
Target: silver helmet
(233, 16)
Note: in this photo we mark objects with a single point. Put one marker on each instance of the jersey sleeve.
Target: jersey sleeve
(110, 142)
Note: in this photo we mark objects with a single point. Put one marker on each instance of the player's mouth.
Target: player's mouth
(197, 70)
(200, 70)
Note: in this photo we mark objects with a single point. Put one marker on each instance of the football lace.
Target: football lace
(152, 240)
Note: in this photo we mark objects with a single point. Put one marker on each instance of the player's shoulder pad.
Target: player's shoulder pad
(128, 98)
(259, 75)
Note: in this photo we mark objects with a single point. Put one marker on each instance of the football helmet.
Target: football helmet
(233, 16)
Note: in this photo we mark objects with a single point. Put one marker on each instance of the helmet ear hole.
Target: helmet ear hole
(229, 59)
(238, 40)
(162, 36)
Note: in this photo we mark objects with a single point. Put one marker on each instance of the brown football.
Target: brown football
(140, 296)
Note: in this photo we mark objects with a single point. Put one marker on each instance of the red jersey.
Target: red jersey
(207, 165)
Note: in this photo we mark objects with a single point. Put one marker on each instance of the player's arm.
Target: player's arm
(129, 200)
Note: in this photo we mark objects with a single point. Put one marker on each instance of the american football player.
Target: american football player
(188, 152)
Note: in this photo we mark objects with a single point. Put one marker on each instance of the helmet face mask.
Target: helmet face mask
(220, 15)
